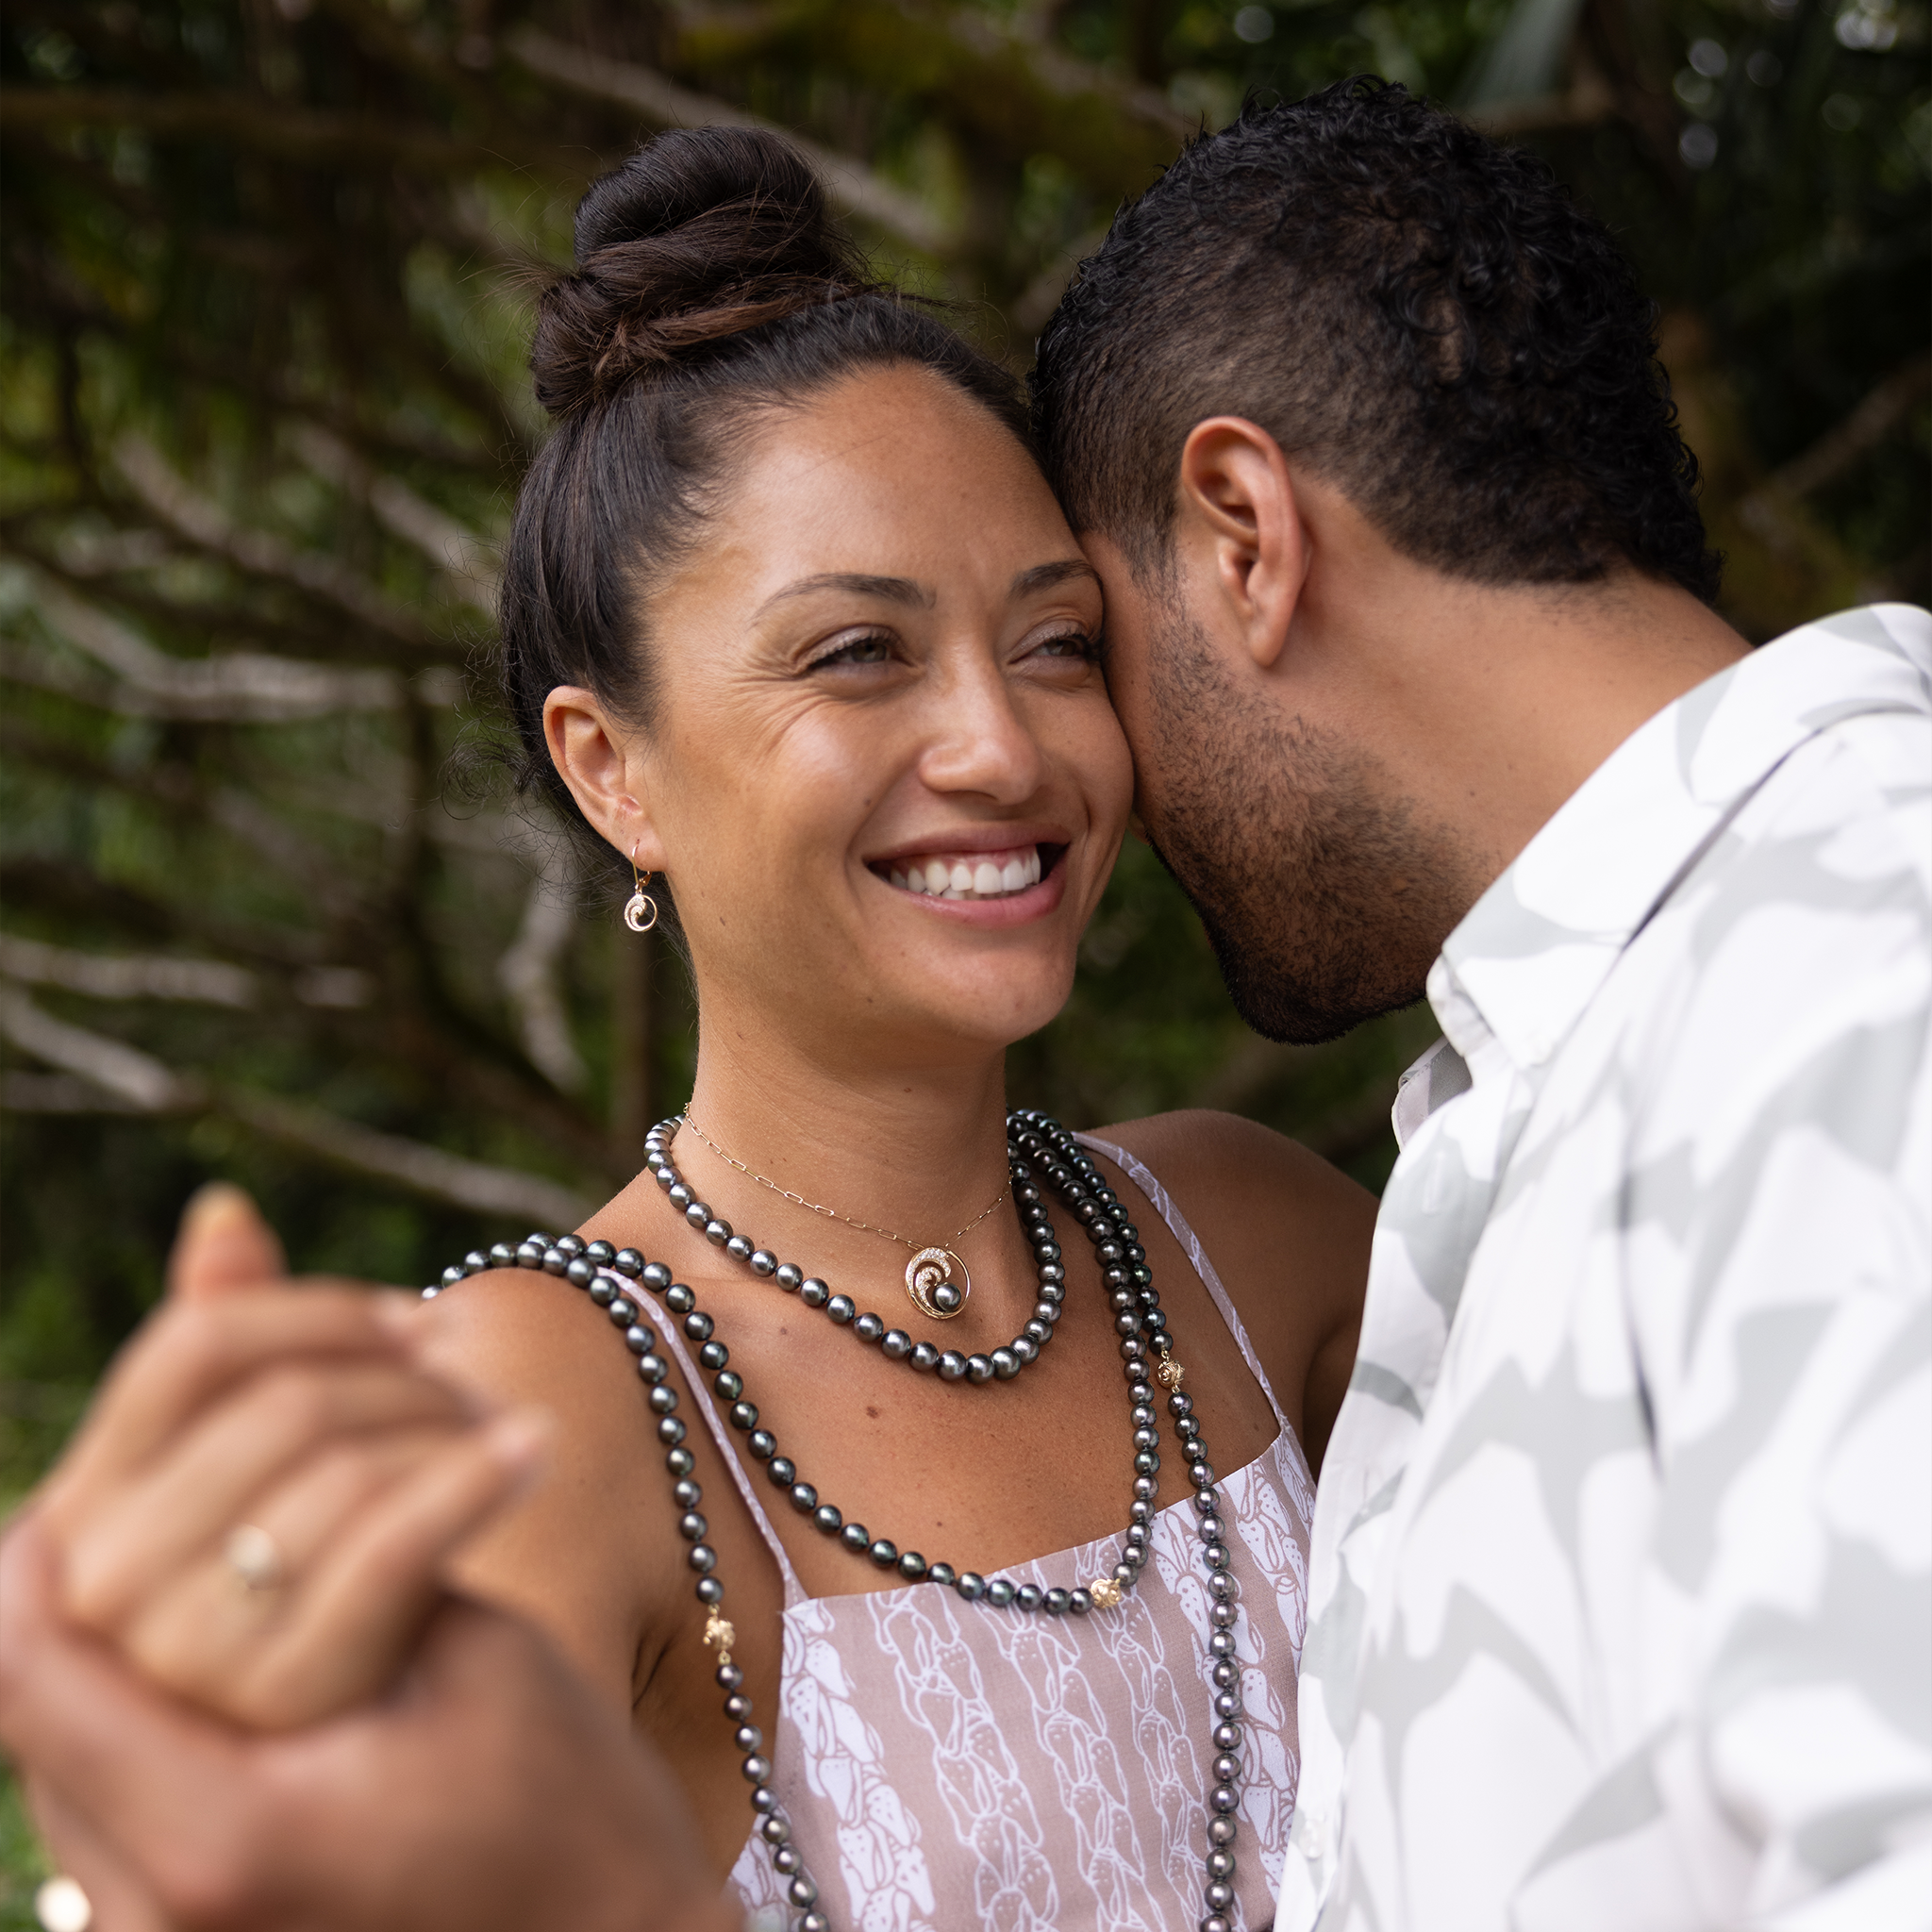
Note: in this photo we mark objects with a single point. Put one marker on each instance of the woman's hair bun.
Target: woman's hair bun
(702, 233)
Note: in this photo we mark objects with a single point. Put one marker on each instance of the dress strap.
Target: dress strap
(667, 1328)
(1190, 1246)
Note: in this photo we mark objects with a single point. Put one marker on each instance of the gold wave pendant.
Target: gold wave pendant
(930, 1280)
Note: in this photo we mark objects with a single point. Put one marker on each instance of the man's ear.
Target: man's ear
(605, 769)
(1239, 516)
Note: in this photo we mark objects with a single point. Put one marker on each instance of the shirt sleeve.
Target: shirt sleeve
(1779, 1269)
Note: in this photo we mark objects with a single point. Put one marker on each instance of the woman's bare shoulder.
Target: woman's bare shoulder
(1287, 1232)
(1226, 1171)
(526, 1338)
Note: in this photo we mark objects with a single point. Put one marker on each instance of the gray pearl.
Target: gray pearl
(738, 1248)
(814, 1293)
(1006, 1364)
(681, 1196)
(789, 1277)
(980, 1367)
(1021, 1349)
(952, 1365)
(763, 1261)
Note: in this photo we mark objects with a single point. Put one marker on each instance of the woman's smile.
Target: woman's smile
(988, 876)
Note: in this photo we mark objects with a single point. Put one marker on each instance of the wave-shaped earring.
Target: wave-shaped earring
(640, 909)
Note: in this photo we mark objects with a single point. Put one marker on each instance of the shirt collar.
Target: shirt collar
(1535, 948)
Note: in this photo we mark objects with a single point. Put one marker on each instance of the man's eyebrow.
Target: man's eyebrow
(856, 584)
(1043, 576)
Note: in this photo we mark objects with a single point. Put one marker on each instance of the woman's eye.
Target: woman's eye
(1072, 643)
(875, 649)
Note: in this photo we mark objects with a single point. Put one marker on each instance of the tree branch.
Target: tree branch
(204, 524)
(527, 973)
(145, 1084)
(850, 182)
(466, 560)
(242, 687)
(1838, 449)
(126, 976)
(349, 142)
(1771, 511)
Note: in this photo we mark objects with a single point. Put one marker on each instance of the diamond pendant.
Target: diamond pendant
(929, 1282)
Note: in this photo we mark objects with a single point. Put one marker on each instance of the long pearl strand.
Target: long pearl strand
(1041, 1150)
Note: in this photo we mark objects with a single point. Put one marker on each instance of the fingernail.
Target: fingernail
(215, 1201)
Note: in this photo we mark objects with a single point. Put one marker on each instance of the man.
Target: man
(1620, 1578)
(1621, 1591)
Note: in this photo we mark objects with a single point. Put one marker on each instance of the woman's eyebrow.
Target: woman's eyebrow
(856, 584)
(1043, 576)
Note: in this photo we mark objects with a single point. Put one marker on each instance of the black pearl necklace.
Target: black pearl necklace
(1036, 1145)
(949, 1364)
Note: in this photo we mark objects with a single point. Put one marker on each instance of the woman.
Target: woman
(986, 1626)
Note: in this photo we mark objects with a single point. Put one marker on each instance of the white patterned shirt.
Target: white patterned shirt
(1621, 1578)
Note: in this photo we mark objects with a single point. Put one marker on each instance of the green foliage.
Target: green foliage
(266, 296)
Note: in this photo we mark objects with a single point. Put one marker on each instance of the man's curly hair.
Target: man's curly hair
(1419, 314)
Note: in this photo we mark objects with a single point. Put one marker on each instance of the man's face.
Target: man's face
(1325, 892)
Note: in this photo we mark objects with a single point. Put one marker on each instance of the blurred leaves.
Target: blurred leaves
(267, 280)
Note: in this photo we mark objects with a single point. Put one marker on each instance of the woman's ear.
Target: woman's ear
(1239, 515)
(606, 770)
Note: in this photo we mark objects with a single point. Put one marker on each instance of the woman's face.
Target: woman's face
(883, 777)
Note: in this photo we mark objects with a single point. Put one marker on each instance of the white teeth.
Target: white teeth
(963, 878)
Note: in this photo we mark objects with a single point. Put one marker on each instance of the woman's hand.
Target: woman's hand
(259, 1507)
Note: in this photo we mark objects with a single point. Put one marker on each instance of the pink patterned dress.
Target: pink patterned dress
(945, 1766)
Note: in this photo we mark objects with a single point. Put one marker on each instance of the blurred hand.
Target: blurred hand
(258, 1507)
(490, 1793)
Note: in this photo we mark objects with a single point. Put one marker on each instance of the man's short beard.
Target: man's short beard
(1325, 895)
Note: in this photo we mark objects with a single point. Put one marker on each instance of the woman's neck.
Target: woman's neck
(919, 1151)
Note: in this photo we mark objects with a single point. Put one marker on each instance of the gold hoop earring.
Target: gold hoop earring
(641, 910)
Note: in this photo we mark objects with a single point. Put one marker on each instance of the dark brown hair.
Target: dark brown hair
(1422, 315)
(709, 286)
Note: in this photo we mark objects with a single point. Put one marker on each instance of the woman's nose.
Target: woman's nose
(980, 743)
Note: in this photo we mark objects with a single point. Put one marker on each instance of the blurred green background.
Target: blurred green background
(268, 266)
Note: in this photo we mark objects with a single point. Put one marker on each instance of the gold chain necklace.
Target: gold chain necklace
(929, 1275)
